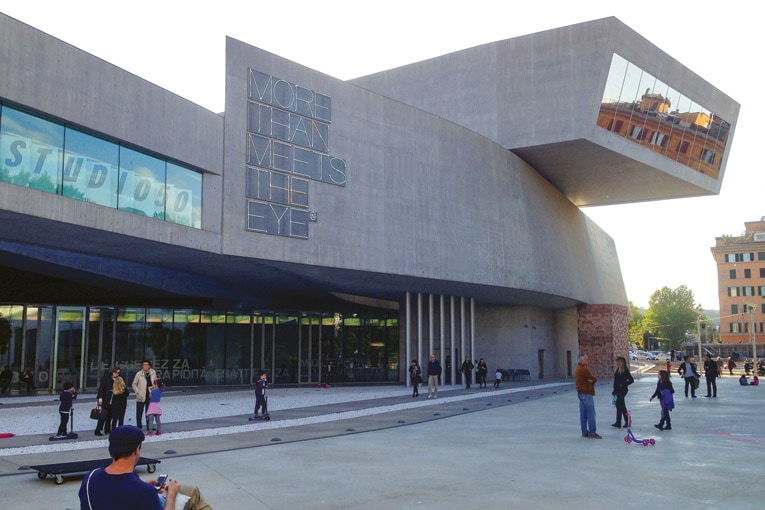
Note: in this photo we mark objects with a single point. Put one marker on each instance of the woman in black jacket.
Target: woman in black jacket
(480, 374)
(622, 379)
(467, 369)
(415, 376)
(120, 393)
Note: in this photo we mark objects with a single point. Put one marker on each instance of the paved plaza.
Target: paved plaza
(516, 447)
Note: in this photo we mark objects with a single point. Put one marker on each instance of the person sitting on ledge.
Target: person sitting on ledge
(118, 487)
(755, 381)
(743, 380)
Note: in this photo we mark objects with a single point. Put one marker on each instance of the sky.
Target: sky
(181, 48)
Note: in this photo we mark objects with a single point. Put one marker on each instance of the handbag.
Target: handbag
(98, 413)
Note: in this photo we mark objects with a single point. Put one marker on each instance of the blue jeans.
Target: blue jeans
(587, 414)
(665, 420)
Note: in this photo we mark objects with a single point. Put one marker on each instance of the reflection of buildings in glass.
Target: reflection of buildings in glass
(662, 118)
(695, 139)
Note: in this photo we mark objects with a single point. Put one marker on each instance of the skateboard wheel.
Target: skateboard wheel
(59, 479)
(75, 436)
(151, 468)
(267, 418)
(41, 475)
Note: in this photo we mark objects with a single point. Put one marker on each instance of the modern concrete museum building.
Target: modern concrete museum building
(432, 208)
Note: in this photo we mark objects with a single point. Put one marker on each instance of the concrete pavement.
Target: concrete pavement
(519, 447)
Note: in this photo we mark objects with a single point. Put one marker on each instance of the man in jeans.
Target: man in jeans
(585, 389)
(434, 371)
(142, 383)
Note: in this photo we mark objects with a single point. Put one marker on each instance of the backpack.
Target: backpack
(667, 400)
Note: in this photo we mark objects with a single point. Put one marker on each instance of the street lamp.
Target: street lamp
(699, 313)
(753, 335)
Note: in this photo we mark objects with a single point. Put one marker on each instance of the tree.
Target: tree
(671, 315)
(637, 327)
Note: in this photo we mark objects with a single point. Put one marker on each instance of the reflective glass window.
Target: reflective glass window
(141, 184)
(30, 150)
(636, 103)
(183, 196)
(90, 168)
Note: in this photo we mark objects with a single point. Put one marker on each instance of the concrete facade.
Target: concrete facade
(538, 96)
(452, 181)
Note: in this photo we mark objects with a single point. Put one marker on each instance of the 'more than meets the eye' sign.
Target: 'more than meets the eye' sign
(287, 147)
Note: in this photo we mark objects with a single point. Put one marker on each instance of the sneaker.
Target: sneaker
(150, 433)
(586, 436)
(659, 427)
(616, 425)
(668, 427)
(429, 396)
(158, 433)
(595, 436)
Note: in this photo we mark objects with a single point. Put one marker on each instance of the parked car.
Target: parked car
(641, 355)
(658, 356)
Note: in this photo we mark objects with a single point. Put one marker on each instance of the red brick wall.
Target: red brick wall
(603, 335)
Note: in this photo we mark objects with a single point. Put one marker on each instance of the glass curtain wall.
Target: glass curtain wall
(56, 158)
(189, 347)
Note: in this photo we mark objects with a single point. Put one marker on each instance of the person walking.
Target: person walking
(120, 394)
(434, 372)
(688, 372)
(482, 370)
(585, 389)
(622, 379)
(711, 374)
(142, 383)
(731, 365)
(497, 378)
(664, 391)
(104, 396)
(415, 377)
(467, 370)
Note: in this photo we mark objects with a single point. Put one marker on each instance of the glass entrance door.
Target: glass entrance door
(69, 347)
(309, 348)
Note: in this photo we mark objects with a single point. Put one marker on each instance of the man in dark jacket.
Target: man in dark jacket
(434, 372)
(105, 400)
(711, 373)
(688, 372)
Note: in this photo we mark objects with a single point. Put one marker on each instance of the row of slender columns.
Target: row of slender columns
(466, 343)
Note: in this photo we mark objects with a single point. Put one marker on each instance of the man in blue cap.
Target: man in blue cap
(117, 487)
